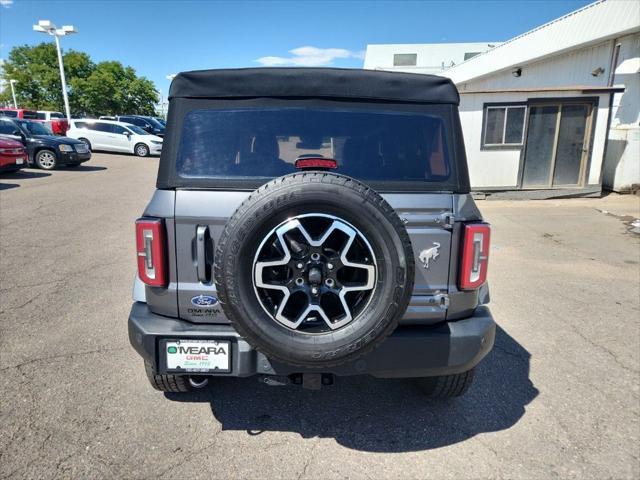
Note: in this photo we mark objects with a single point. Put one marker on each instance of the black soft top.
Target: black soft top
(315, 83)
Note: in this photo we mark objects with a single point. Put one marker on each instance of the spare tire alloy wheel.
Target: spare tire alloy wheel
(314, 269)
(314, 276)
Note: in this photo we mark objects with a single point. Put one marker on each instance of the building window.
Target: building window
(405, 59)
(503, 126)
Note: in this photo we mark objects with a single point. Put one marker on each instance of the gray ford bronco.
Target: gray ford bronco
(310, 223)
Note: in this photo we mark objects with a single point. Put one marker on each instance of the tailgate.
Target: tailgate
(206, 212)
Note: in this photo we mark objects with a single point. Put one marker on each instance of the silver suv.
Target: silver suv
(309, 223)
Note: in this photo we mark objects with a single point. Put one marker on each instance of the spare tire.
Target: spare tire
(314, 269)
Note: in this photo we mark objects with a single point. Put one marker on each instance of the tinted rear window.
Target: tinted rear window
(371, 145)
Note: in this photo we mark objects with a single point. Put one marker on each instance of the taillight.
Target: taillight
(475, 255)
(316, 163)
(151, 251)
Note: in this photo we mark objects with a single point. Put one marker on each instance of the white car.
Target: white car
(114, 136)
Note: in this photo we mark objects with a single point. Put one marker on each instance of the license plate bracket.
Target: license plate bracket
(196, 356)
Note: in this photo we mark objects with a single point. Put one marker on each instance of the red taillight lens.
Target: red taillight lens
(151, 251)
(475, 255)
(316, 162)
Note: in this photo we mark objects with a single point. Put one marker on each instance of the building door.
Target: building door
(557, 145)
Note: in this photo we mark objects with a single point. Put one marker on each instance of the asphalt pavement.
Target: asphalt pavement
(559, 396)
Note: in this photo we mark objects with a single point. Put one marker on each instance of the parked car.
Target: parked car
(115, 136)
(149, 124)
(56, 121)
(19, 113)
(45, 150)
(13, 155)
(346, 238)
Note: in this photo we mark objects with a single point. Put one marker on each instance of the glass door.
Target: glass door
(557, 145)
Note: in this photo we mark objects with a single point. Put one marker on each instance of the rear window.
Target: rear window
(9, 113)
(371, 145)
(28, 114)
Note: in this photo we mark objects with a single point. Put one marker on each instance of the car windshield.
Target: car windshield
(33, 128)
(161, 121)
(376, 145)
(137, 130)
(154, 123)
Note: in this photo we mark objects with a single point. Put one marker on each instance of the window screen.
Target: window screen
(379, 146)
(504, 126)
(405, 59)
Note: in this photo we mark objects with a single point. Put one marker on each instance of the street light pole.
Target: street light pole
(13, 92)
(63, 79)
(46, 26)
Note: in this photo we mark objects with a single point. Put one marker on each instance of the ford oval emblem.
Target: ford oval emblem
(204, 301)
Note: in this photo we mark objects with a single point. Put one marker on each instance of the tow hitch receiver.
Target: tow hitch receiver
(310, 381)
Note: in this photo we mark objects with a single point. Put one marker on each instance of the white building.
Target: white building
(558, 107)
(431, 58)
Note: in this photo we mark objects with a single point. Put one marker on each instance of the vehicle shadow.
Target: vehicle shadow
(25, 174)
(379, 415)
(83, 168)
(19, 175)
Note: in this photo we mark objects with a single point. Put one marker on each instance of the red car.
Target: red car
(54, 121)
(19, 113)
(13, 155)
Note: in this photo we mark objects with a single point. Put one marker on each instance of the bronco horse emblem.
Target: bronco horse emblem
(429, 254)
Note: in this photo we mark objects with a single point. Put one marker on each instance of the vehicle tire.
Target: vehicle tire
(167, 382)
(46, 159)
(141, 150)
(357, 255)
(447, 386)
(86, 142)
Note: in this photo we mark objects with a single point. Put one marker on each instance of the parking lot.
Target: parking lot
(559, 396)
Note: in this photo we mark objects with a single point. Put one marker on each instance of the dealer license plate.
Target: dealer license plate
(19, 161)
(197, 355)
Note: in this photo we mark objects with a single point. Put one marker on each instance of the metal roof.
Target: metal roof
(594, 23)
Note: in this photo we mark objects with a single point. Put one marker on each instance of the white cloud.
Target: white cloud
(309, 57)
(6, 3)
(171, 76)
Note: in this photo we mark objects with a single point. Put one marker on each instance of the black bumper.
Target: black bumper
(451, 347)
(66, 158)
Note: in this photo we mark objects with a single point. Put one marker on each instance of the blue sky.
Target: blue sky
(159, 38)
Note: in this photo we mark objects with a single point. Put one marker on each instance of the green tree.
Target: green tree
(115, 89)
(106, 88)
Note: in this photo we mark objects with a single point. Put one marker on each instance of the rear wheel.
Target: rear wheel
(173, 383)
(46, 160)
(86, 142)
(141, 150)
(447, 386)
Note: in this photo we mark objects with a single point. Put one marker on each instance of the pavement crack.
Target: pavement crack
(310, 458)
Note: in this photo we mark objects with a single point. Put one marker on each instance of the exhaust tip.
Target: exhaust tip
(198, 382)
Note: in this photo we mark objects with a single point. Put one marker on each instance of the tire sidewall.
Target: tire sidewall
(394, 278)
(86, 142)
(146, 150)
(42, 152)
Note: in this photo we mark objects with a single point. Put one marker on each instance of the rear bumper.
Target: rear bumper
(447, 348)
(8, 164)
